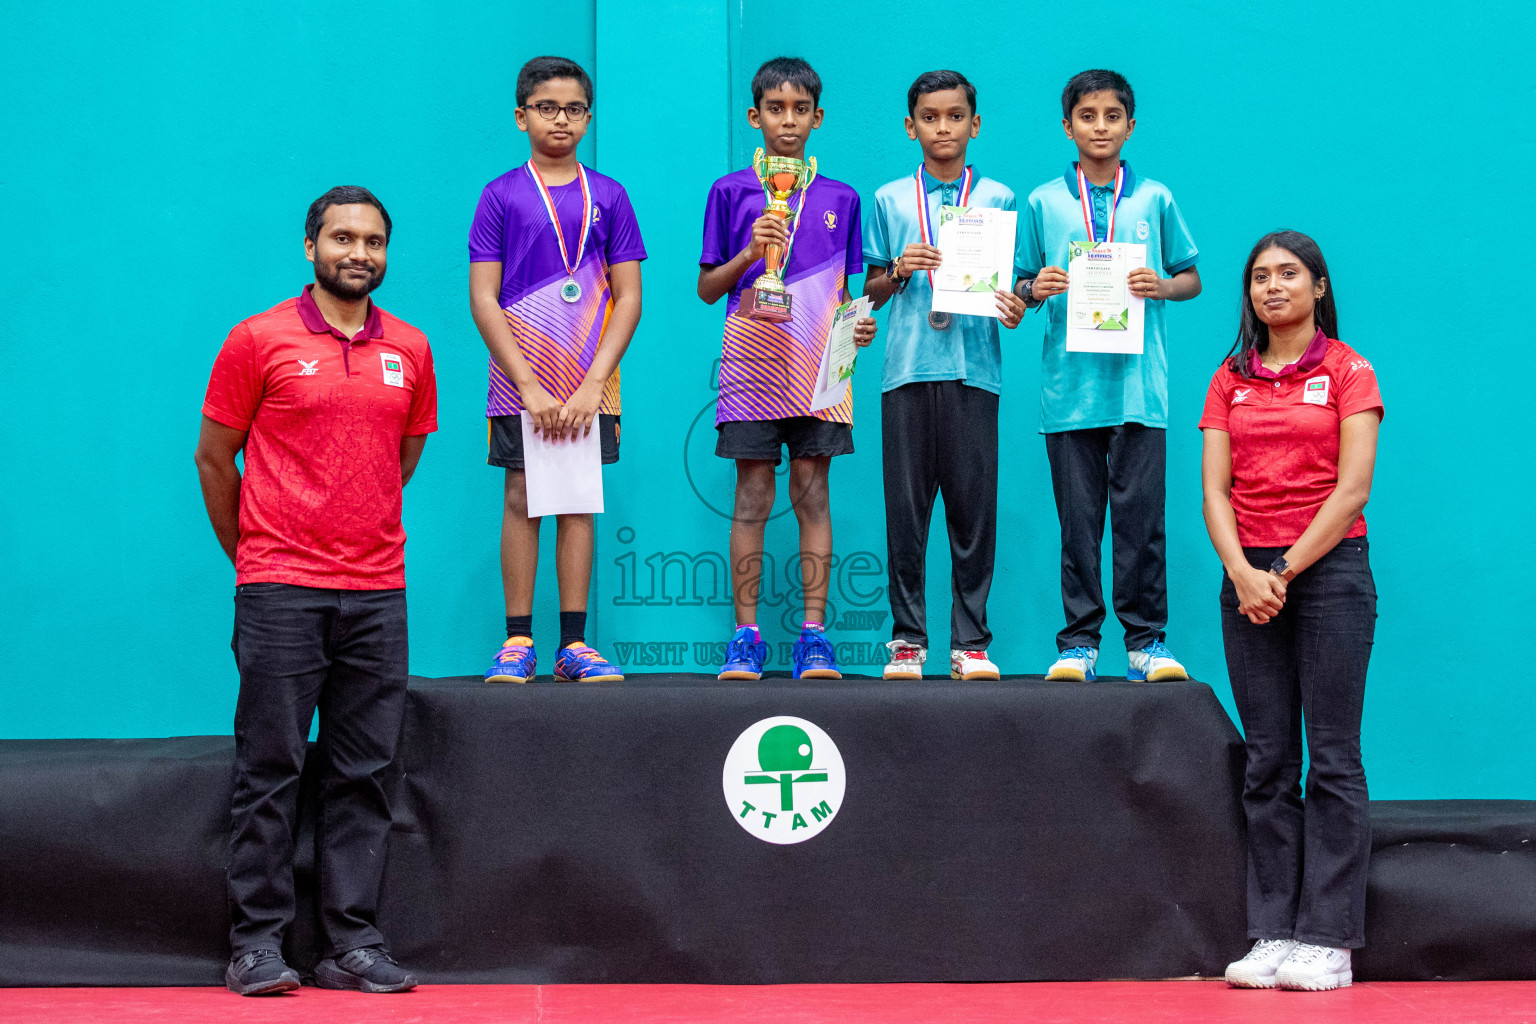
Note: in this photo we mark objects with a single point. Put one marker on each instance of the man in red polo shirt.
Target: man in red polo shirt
(331, 399)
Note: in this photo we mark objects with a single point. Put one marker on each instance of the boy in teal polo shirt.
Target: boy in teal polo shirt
(1105, 416)
(939, 391)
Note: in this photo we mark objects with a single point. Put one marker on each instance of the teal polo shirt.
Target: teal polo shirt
(1082, 390)
(968, 351)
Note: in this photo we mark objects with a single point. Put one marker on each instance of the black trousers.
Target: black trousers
(1122, 468)
(940, 437)
(1307, 859)
(298, 648)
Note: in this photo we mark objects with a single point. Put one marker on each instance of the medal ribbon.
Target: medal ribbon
(586, 216)
(1083, 195)
(924, 226)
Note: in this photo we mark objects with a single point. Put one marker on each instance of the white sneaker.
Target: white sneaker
(971, 665)
(1257, 969)
(1075, 665)
(1154, 663)
(906, 660)
(1312, 968)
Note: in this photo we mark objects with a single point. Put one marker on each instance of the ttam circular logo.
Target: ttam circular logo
(784, 780)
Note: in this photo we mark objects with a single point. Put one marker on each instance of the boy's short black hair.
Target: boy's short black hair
(542, 69)
(342, 195)
(790, 71)
(940, 81)
(1097, 80)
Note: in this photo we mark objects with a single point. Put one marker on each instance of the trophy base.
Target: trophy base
(760, 304)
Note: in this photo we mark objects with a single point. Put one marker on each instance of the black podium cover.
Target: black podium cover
(989, 831)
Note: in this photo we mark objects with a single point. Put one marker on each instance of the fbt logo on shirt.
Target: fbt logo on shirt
(1316, 392)
(394, 373)
(1240, 394)
(308, 368)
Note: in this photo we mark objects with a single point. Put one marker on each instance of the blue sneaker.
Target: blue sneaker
(514, 663)
(1154, 663)
(744, 656)
(1075, 665)
(578, 663)
(814, 658)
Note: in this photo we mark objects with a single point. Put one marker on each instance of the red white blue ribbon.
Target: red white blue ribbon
(924, 224)
(586, 216)
(1082, 195)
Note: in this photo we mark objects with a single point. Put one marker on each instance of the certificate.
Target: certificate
(1102, 314)
(562, 477)
(977, 243)
(839, 355)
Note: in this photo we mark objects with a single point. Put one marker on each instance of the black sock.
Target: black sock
(573, 628)
(520, 625)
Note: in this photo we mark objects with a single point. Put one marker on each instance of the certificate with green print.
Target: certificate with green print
(977, 247)
(1102, 314)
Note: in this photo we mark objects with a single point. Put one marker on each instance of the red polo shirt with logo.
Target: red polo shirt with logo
(320, 497)
(1284, 427)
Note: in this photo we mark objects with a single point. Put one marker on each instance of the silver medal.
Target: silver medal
(570, 291)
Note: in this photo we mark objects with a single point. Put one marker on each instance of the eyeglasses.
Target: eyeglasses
(549, 111)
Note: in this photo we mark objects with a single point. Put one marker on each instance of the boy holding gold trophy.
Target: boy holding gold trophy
(781, 242)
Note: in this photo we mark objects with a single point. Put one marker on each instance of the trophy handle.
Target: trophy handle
(810, 176)
(760, 166)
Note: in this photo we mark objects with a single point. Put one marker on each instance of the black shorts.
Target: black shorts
(506, 440)
(805, 436)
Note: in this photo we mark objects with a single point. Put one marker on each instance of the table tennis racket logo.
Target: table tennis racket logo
(784, 780)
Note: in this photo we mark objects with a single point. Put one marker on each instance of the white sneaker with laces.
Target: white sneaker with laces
(1154, 663)
(1075, 664)
(1257, 969)
(906, 660)
(967, 665)
(1312, 968)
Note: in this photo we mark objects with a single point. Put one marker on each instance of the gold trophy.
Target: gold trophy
(781, 176)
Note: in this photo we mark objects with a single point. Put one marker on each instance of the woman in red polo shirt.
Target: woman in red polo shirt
(1290, 428)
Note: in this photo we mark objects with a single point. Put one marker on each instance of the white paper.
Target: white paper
(838, 355)
(964, 236)
(562, 477)
(1102, 313)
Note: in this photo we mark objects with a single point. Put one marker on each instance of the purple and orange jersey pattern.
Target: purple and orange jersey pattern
(768, 370)
(559, 339)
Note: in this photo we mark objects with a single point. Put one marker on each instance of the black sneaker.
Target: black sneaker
(369, 969)
(261, 972)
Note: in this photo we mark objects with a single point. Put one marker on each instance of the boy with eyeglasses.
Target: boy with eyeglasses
(768, 369)
(554, 281)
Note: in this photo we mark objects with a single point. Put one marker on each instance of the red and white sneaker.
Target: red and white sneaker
(906, 660)
(971, 665)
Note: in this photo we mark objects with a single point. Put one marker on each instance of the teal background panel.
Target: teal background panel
(161, 160)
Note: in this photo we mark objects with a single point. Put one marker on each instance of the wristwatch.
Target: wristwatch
(1280, 567)
(901, 282)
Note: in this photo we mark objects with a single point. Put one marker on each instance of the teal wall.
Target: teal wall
(159, 161)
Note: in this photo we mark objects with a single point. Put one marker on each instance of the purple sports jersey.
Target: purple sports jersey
(558, 338)
(768, 370)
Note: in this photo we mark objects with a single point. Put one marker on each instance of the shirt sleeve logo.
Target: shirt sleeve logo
(394, 373)
(1316, 391)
